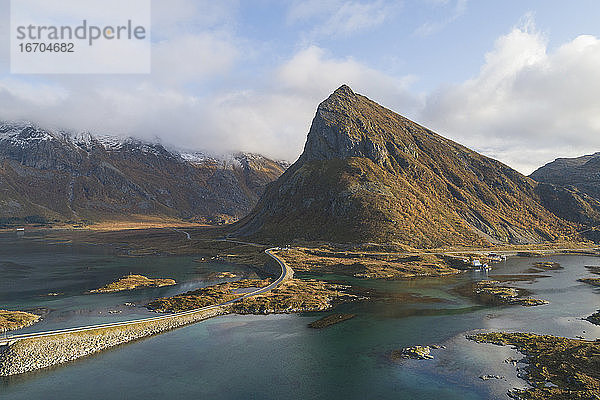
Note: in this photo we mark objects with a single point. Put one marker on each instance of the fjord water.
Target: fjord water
(278, 356)
(52, 279)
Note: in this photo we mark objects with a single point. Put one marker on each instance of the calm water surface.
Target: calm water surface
(277, 356)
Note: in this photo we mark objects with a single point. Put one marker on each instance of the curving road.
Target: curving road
(188, 236)
(286, 273)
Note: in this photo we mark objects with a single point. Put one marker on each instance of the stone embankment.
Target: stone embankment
(29, 354)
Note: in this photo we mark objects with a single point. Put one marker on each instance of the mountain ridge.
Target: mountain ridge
(582, 173)
(61, 176)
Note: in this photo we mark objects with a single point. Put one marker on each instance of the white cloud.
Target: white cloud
(528, 105)
(274, 119)
(193, 58)
(312, 72)
(25, 93)
(270, 117)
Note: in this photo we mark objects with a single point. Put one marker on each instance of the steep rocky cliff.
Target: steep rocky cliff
(369, 174)
(49, 175)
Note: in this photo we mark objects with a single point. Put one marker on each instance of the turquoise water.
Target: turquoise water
(279, 357)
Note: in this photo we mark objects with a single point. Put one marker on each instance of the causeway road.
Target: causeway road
(286, 274)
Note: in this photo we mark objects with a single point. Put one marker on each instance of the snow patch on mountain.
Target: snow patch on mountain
(23, 134)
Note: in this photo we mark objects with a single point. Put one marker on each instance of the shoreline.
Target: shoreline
(503, 249)
(557, 367)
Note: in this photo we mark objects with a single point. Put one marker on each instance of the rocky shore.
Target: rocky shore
(31, 354)
(558, 368)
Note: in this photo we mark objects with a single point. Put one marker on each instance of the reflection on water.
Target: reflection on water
(278, 356)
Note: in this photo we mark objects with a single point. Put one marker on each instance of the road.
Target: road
(189, 237)
(286, 273)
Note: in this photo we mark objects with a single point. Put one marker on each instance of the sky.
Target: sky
(517, 80)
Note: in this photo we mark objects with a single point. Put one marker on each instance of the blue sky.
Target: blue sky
(452, 50)
(516, 80)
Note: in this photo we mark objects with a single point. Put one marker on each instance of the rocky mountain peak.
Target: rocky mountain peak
(341, 100)
(343, 127)
(368, 174)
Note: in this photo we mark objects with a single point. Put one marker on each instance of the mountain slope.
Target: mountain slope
(57, 176)
(569, 203)
(570, 187)
(582, 173)
(369, 174)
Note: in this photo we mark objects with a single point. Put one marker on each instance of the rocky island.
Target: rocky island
(590, 281)
(131, 282)
(415, 352)
(594, 269)
(545, 266)
(11, 320)
(294, 295)
(594, 318)
(330, 320)
(490, 292)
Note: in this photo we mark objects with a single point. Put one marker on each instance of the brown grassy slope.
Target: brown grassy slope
(369, 174)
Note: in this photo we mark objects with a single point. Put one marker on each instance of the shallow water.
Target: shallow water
(278, 356)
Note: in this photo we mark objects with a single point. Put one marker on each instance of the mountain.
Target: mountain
(582, 173)
(570, 187)
(368, 174)
(48, 175)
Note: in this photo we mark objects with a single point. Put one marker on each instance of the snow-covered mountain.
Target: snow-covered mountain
(60, 175)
